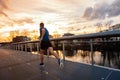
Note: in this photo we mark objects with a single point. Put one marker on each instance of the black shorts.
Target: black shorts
(45, 44)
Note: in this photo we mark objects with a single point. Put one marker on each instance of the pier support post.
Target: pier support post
(25, 47)
(30, 47)
(37, 44)
(91, 48)
(63, 45)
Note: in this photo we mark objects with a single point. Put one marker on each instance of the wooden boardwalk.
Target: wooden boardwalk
(18, 65)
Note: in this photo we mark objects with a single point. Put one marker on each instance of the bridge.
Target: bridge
(16, 63)
(19, 65)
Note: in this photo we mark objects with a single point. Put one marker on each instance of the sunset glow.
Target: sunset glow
(62, 16)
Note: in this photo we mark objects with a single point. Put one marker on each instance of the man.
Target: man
(46, 45)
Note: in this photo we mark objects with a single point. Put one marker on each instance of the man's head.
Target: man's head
(41, 24)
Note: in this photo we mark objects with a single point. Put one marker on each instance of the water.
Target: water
(103, 58)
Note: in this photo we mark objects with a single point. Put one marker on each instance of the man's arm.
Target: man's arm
(42, 34)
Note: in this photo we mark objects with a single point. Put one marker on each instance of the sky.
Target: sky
(63, 16)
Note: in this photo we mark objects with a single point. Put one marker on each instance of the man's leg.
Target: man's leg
(41, 56)
(52, 52)
(60, 61)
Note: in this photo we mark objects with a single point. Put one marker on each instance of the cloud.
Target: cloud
(24, 20)
(114, 9)
(102, 10)
(3, 7)
(18, 22)
(98, 12)
(47, 10)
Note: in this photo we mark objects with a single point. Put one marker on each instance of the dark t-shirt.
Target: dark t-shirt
(46, 35)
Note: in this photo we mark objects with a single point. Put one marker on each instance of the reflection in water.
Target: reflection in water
(111, 59)
(103, 58)
(34, 52)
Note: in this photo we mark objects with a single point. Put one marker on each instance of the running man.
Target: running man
(45, 44)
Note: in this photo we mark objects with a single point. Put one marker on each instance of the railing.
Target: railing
(88, 40)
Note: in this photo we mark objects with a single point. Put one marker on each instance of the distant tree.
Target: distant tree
(99, 26)
(55, 34)
(25, 33)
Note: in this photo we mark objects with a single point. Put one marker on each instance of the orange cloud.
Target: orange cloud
(3, 7)
(22, 21)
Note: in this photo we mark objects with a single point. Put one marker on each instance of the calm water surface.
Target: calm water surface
(103, 58)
